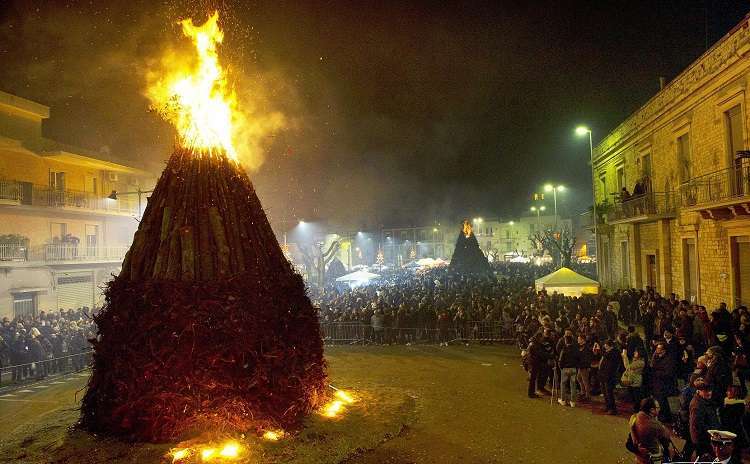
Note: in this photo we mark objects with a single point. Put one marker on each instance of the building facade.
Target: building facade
(499, 238)
(682, 158)
(61, 237)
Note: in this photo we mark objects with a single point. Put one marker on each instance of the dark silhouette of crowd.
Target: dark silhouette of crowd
(34, 347)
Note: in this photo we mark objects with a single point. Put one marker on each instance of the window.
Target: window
(625, 264)
(603, 186)
(683, 158)
(24, 304)
(57, 181)
(646, 165)
(735, 141)
(58, 230)
(621, 178)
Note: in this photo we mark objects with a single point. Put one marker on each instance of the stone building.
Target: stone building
(687, 230)
(61, 236)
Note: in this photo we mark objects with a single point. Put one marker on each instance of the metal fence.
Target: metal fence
(352, 333)
(27, 372)
(61, 252)
(649, 204)
(717, 186)
(25, 193)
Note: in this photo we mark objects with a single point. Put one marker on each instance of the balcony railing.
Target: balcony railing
(716, 187)
(24, 193)
(56, 253)
(647, 205)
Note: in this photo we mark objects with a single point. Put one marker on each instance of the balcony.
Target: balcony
(27, 194)
(644, 208)
(60, 253)
(718, 195)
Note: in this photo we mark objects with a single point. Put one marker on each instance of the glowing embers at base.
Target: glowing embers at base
(273, 435)
(336, 407)
(227, 451)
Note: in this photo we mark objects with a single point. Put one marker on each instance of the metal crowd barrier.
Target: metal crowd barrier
(357, 333)
(37, 370)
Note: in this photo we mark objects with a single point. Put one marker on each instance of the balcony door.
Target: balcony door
(652, 271)
(92, 237)
(741, 269)
(690, 270)
(625, 264)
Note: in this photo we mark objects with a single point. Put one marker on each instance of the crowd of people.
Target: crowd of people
(33, 347)
(697, 358)
(636, 348)
(432, 306)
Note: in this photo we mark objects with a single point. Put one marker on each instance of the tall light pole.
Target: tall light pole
(582, 131)
(554, 189)
(538, 212)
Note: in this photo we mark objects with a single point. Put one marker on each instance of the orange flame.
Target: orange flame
(468, 229)
(196, 99)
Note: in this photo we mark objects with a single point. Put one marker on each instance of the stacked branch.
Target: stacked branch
(207, 325)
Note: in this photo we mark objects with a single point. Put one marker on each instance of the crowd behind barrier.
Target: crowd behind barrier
(34, 347)
(434, 306)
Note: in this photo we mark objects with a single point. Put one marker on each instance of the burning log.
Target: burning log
(467, 257)
(207, 325)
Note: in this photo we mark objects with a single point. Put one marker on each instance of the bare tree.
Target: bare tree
(559, 244)
(316, 260)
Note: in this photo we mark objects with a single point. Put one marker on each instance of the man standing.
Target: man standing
(569, 360)
(610, 368)
(702, 417)
(663, 380)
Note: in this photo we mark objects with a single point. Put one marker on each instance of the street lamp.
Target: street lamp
(115, 194)
(581, 131)
(538, 211)
(554, 189)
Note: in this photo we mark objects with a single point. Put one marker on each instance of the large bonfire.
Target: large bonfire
(467, 257)
(207, 327)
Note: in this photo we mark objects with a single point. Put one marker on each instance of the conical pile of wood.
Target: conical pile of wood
(467, 256)
(207, 326)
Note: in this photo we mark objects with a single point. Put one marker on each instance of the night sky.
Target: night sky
(397, 113)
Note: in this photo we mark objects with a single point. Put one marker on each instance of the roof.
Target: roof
(22, 105)
(565, 277)
(361, 276)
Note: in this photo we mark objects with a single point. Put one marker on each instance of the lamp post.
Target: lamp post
(538, 213)
(114, 196)
(554, 189)
(582, 131)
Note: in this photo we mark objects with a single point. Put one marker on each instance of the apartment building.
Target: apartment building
(63, 232)
(683, 158)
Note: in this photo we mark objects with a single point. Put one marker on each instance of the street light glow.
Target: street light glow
(542, 208)
(582, 130)
(511, 223)
(548, 188)
(533, 208)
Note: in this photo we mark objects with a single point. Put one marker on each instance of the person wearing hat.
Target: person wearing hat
(702, 417)
(722, 447)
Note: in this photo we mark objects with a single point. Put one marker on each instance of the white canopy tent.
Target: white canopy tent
(357, 278)
(567, 282)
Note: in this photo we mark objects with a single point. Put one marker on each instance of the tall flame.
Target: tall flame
(195, 98)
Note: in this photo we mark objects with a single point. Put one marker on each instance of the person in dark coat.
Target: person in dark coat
(585, 357)
(635, 342)
(702, 417)
(718, 374)
(568, 362)
(610, 369)
(663, 380)
(731, 417)
(538, 358)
